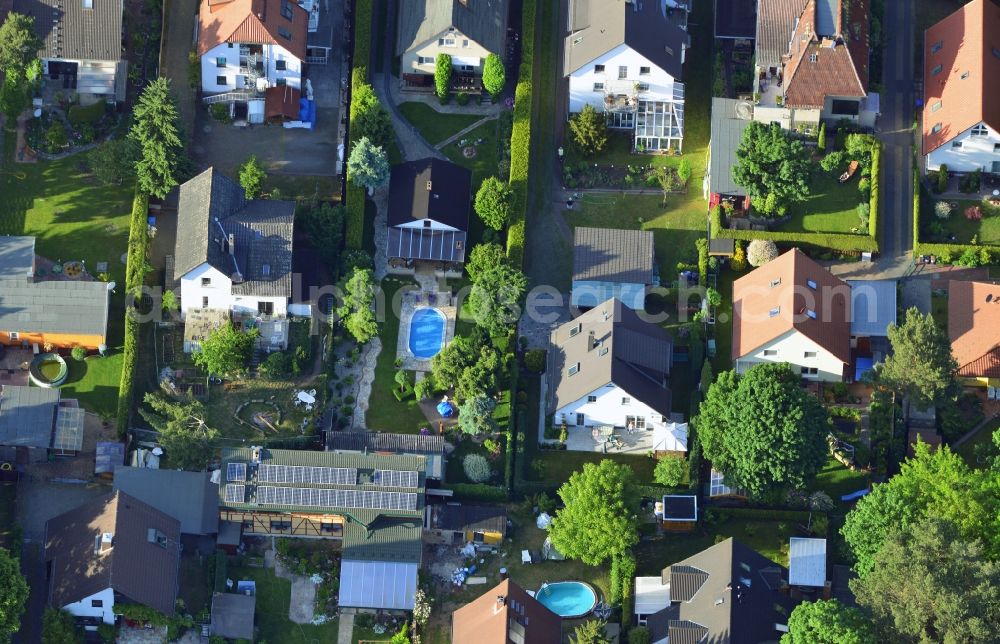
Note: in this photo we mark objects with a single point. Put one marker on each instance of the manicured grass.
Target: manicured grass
(980, 450)
(836, 480)
(723, 330)
(95, 382)
(433, 125)
(986, 229)
(939, 310)
(830, 208)
(385, 413)
(484, 164)
(618, 152)
(273, 597)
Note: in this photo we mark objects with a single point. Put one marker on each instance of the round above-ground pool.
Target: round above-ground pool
(426, 332)
(568, 599)
(48, 370)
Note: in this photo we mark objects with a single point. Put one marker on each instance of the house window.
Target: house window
(265, 308)
(446, 42)
(281, 524)
(626, 400)
(937, 70)
(643, 87)
(644, 71)
(14, 335)
(97, 603)
(575, 330)
(221, 61)
(980, 130)
(622, 72)
(465, 43)
(204, 302)
(280, 65)
(813, 58)
(598, 87)
(965, 75)
(811, 284)
(591, 399)
(574, 369)
(598, 69)
(936, 47)
(88, 4)
(286, 9)
(809, 371)
(770, 352)
(958, 144)
(327, 527)
(773, 313)
(265, 270)
(581, 420)
(996, 147)
(248, 524)
(811, 313)
(284, 33)
(936, 128)
(775, 282)
(281, 81)
(221, 80)
(635, 422)
(206, 281)
(810, 354)
(935, 106)
(425, 60)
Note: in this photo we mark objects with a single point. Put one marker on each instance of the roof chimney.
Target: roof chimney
(429, 185)
(501, 602)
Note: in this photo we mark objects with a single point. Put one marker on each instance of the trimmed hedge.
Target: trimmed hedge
(874, 201)
(138, 242)
(364, 18)
(516, 420)
(520, 138)
(477, 492)
(826, 241)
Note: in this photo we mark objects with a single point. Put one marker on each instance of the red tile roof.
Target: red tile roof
(970, 47)
(518, 618)
(973, 324)
(254, 22)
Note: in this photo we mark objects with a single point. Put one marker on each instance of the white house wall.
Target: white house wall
(589, 294)
(792, 347)
(85, 607)
(976, 152)
(465, 51)
(581, 81)
(235, 77)
(247, 304)
(608, 409)
(218, 290)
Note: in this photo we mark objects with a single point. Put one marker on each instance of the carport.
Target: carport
(387, 585)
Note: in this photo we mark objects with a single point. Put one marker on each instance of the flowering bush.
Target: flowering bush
(477, 468)
(761, 251)
(973, 213)
(942, 210)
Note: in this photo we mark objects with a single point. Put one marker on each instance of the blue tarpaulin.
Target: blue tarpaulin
(446, 409)
(861, 366)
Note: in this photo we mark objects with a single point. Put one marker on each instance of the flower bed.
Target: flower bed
(54, 132)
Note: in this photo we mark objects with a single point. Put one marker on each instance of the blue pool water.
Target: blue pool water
(568, 598)
(426, 332)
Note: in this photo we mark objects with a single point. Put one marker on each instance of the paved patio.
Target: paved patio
(590, 439)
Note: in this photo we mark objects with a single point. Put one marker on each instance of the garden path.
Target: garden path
(303, 598)
(457, 135)
(345, 628)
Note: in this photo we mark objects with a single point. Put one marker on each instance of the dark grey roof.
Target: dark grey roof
(680, 507)
(232, 615)
(71, 307)
(385, 442)
(484, 21)
(445, 201)
(69, 30)
(735, 18)
(613, 255)
(17, 257)
(638, 358)
(727, 132)
(748, 585)
(27, 416)
(596, 29)
(775, 23)
(462, 517)
(189, 497)
(659, 623)
(260, 259)
(722, 246)
(432, 245)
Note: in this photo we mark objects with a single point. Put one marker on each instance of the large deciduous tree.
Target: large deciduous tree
(58, 627)
(226, 350)
(19, 44)
(828, 622)
(368, 166)
(762, 430)
(357, 312)
(600, 518)
(494, 75)
(13, 596)
(185, 435)
(930, 584)
(920, 366)
(113, 162)
(589, 130)
(156, 133)
(475, 416)
(483, 257)
(772, 167)
(934, 483)
(493, 202)
(493, 300)
(469, 364)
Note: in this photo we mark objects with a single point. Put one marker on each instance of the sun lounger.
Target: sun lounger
(851, 169)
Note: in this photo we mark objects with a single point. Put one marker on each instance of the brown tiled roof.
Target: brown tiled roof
(754, 298)
(970, 44)
(974, 328)
(142, 570)
(520, 618)
(252, 21)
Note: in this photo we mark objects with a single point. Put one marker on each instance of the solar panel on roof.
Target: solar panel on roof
(269, 473)
(396, 478)
(235, 493)
(236, 472)
(313, 497)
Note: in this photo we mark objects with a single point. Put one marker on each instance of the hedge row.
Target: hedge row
(355, 198)
(520, 138)
(135, 273)
(874, 197)
(516, 420)
(477, 492)
(831, 241)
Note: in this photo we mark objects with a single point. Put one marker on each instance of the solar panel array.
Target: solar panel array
(267, 473)
(235, 493)
(236, 472)
(327, 498)
(396, 478)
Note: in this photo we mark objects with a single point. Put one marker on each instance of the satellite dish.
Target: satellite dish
(111, 286)
(744, 110)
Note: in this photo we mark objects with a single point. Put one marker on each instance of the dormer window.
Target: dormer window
(936, 47)
(811, 284)
(980, 130)
(811, 313)
(813, 58)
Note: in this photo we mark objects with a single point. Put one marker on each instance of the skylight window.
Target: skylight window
(573, 370)
(811, 284)
(773, 313)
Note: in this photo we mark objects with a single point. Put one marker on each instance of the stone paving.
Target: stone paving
(303, 594)
(411, 143)
(542, 315)
(442, 301)
(401, 95)
(369, 358)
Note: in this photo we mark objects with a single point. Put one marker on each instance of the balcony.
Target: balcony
(623, 95)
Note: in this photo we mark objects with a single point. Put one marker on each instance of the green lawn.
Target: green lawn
(273, 596)
(433, 125)
(72, 216)
(836, 480)
(987, 229)
(980, 450)
(830, 208)
(484, 164)
(618, 152)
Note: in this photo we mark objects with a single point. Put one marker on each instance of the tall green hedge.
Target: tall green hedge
(516, 420)
(874, 200)
(355, 198)
(520, 139)
(135, 273)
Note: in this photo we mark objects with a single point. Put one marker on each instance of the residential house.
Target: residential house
(973, 320)
(608, 262)
(112, 550)
(190, 497)
(466, 30)
(736, 20)
(807, 562)
(609, 368)
(43, 307)
(82, 49)
(430, 446)
(812, 63)
(792, 310)
(729, 118)
(232, 615)
(233, 255)
(961, 113)
(247, 46)
(505, 613)
(36, 422)
(625, 58)
(372, 504)
(459, 523)
(429, 201)
(728, 593)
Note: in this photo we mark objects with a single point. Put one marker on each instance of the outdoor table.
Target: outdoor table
(306, 398)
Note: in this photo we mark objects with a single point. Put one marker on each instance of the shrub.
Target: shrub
(442, 75)
(640, 634)
(534, 360)
(969, 258)
(56, 136)
(973, 213)
(834, 161)
(864, 185)
(684, 171)
(821, 140)
(462, 98)
(276, 365)
(863, 211)
(79, 115)
(220, 112)
(670, 471)
(739, 259)
(942, 209)
(477, 468)
(78, 353)
(520, 140)
(761, 251)
(942, 179)
(494, 75)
